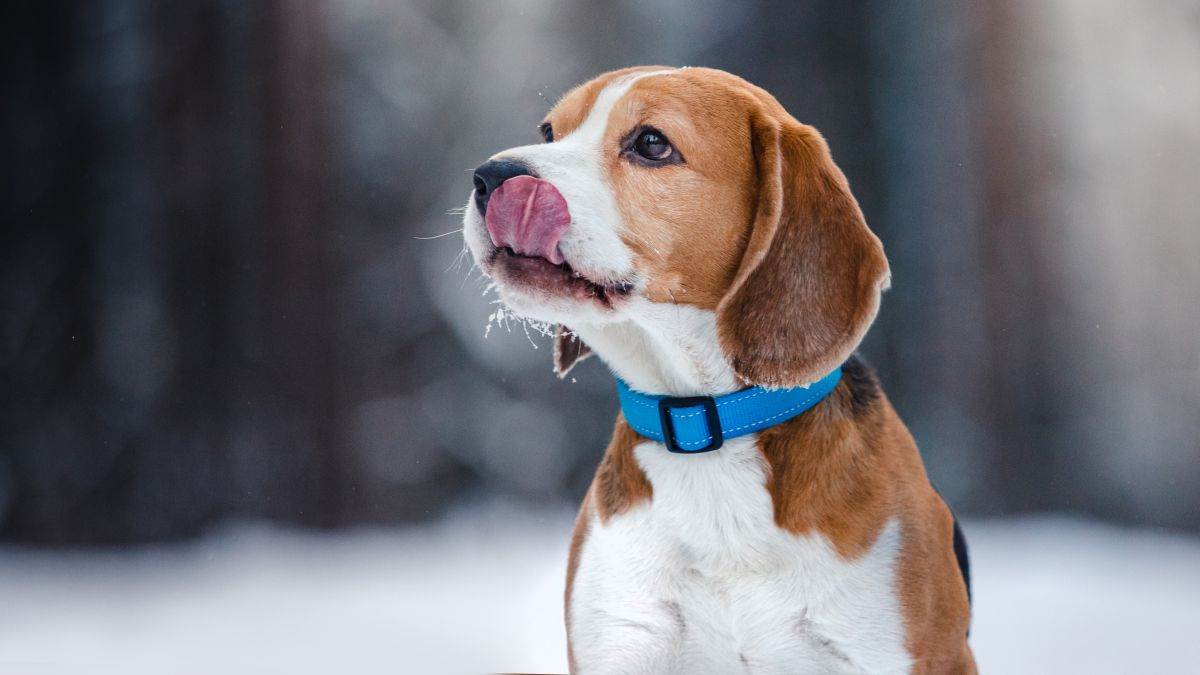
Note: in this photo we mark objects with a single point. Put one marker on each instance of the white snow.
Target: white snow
(480, 591)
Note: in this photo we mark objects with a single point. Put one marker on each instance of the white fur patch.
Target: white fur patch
(663, 348)
(701, 580)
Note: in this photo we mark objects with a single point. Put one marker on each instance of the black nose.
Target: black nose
(490, 175)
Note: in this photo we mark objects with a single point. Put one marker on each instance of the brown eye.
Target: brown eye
(652, 145)
(547, 132)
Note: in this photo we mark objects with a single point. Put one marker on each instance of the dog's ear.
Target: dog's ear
(809, 282)
(568, 350)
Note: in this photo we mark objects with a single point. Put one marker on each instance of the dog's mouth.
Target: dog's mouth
(539, 274)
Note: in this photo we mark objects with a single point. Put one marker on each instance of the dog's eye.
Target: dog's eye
(547, 132)
(652, 145)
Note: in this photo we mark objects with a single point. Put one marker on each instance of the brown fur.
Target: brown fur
(619, 483)
(568, 350)
(578, 535)
(758, 224)
(686, 223)
(845, 468)
(573, 108)
(809, 284)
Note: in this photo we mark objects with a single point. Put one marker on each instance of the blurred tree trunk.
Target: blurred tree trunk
(931, 349)
(188, 297)
(300, 240)
(1018, 161)
(1091, 133)
(1042, 252)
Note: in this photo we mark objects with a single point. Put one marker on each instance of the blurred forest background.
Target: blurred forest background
(215, 305)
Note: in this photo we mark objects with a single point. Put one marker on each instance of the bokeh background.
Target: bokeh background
(230, 328)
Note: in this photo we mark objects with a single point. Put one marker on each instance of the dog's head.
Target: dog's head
(691, 187)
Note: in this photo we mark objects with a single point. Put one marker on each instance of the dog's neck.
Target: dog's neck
(665, 349)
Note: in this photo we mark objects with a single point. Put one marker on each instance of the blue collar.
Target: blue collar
(702, 423)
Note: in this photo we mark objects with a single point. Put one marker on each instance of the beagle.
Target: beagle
(760, 508)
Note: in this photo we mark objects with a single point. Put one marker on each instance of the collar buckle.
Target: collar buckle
(668, 403)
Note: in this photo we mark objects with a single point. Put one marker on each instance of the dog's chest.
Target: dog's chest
(706, 568)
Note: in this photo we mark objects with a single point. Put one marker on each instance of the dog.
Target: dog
(681, 225)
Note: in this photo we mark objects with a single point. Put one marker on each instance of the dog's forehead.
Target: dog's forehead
(703, 88)
(575, 106)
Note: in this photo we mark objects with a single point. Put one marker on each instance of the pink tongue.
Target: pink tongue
(528, 215)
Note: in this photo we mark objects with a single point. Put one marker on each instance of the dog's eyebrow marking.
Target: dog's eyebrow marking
(592, 129)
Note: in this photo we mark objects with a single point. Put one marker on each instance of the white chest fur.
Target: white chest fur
(701, 580)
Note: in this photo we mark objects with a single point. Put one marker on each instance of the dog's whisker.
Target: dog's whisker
(454, 264)
(525, 326)
(439, 236)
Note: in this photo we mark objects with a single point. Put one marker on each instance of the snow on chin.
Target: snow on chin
(550, 307)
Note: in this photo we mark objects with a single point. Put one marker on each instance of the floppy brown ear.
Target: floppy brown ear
(809, 281)
(568, 350)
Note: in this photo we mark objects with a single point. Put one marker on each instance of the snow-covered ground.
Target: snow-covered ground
(480, 591)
